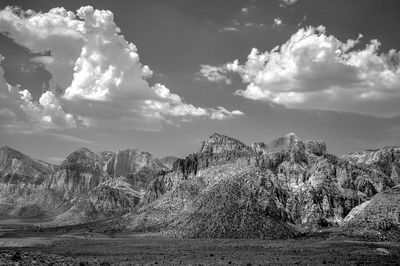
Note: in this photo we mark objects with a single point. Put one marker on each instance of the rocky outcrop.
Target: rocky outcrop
(377, 219)
(385, 159)
(109, 199)
(131, 161)
(222, 200)
(169, 161)
(13, 162)
(113, 198)
(78, 174)
(216, 149)
(20, 176)
(226, 189)
(322, 188)
(289, 182)
(315, 147)
(290, 142)
(85, 186)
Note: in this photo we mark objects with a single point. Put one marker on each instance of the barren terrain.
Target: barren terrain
(20, 245)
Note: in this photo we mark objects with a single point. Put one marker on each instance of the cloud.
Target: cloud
(102, 81)
(229, 28)
(302, 21)
(313, 70)
(277, 22)
(285, 3)
(214, 74)
(18, 110)
(221, 113)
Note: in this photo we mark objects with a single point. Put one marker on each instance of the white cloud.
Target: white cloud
(285, 3)
(277, 22)
(102, 79)
(229, 28)
(19, 110)
(302, 21)
(215, 74)
(221, 113)
(316, 70)
(245, 10)
(255, 25)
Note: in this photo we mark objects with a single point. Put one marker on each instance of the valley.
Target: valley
(54, 248)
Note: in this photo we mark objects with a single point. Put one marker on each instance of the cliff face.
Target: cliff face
(226, 189)
(20, 176)
(287, 182)
(169, 161)
(78, 174)
(385, 159)
(377, 219)
(85, 186)
(128, 162)
(216, 149)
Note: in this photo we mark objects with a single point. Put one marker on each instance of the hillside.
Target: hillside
(228, 189)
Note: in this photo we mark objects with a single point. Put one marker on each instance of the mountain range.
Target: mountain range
(227, 189)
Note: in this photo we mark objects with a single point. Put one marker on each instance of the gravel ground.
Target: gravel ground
(95, 249)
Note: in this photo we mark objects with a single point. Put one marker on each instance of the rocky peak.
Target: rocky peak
(130, 161)
(282, 144)
(386, 159)
(13, 161)
(105, 155)
(290, 142)
(216, 149)
(316, 147)
(217, 143)
(82, 156)
(5, 150)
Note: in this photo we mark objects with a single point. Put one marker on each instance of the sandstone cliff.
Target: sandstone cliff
(85, 186)
(227, 187)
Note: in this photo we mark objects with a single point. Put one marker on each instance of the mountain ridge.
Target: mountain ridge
(225, 189)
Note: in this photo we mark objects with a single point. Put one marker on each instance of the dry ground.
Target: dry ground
(20, 246)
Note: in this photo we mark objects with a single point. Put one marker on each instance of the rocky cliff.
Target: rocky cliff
(377, 219)
(227, 187)
(20, 177)
(85, 186)
(169, 161)
(386, 159)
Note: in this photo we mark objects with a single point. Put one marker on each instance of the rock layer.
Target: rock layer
(85, 186)
(287, 183)
(226, 189)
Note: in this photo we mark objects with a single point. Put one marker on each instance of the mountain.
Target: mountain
(376, 219)
(138, 167)
(228, 189)
(20, 177)
(386, 159)
(85, 186)
(169, 161)
(13, 163)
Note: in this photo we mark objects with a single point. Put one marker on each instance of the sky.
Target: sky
(162, 76)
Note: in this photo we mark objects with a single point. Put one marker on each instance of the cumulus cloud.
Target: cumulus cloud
(277, 22)
(101, 77)
(214, 73)
(316, 70)
(18, 109)
(285, 3)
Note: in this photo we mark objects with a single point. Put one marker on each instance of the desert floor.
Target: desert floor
(21, 246)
